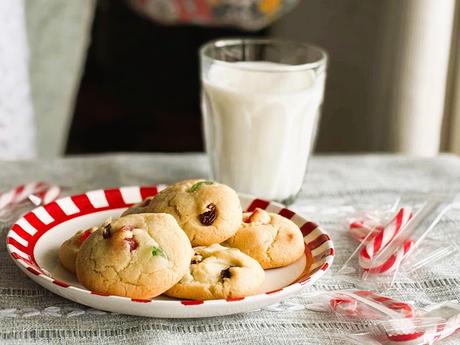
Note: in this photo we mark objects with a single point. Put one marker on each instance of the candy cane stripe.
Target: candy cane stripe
(381, 240)
(46, 192)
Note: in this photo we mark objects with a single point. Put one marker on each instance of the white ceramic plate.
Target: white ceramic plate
(34, 239)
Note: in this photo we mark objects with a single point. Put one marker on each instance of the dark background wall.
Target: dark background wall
(356, 114)
(140, 88)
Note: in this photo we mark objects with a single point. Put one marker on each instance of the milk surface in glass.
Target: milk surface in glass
(260, 123)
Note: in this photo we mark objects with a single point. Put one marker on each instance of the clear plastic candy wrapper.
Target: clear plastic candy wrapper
(391, 321)
(19, 199)
(429, 326)
(397, 244)
(360, 304)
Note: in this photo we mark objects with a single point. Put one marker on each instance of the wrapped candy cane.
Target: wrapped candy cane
(396, 322)
(381, 240)
(384, 249)
(405, 309)
(423, 331)
(367, 222)
(345, 305)
(364, 229)
(390, 264)
(49, 194)
(418, 331)
(44, 191)
(441, 321)
(388, 255)
(360, 302)
(446, 329)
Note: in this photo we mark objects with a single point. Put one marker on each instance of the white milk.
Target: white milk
(260, 125)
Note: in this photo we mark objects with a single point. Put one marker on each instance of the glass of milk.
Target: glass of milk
(261, 102)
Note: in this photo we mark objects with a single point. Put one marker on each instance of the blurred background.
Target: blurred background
(94, 76)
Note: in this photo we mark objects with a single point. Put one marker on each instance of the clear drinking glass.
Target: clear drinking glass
(261, 102)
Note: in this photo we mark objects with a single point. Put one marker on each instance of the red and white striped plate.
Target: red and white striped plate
(34, 239)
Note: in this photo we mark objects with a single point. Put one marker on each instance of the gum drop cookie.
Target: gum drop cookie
(208, 212)
(69, 249)
(137, 256)
(219, 272)
(273, 240)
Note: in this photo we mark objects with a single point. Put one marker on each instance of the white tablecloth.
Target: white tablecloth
(30, 314)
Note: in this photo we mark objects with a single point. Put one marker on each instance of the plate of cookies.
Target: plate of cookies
(193, 249)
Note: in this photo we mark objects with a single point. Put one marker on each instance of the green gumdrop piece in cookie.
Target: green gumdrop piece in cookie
(156, 251)
(197, 185)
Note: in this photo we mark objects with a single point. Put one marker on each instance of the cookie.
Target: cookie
(208, 212)
(69, 249)
(219, 272)
(273, 240)
(137, 256)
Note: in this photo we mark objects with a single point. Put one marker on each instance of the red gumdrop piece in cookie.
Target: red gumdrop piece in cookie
(132, 244)
(131, 241)
(258, 216)
(85, 235)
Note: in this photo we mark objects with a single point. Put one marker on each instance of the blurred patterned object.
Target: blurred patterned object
(17, 134)
(244, 14)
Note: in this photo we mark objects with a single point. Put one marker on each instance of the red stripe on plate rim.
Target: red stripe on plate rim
(60, 283)
(308, 228)
(30, 263)
(33, 270)
(274, 291)
(286, 213)
(318, 241)
(140, 300)
(148, 191)
(99, 294)
(21, 232)
(190, 302)
(17, 256)
(257, 203)
(34, 221)
(234, 299)
(12, 242)
(115, 198)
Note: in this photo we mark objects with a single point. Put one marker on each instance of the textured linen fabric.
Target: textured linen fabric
(29, 314)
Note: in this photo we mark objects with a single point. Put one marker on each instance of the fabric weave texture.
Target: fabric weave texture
(29, 314)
